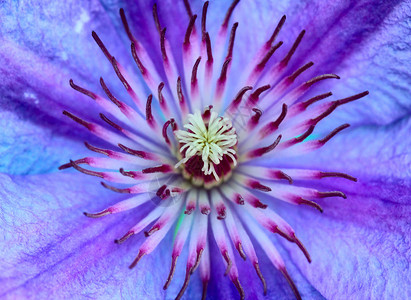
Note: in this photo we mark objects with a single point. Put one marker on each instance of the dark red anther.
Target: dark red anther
(290, 53)
(75, 165)
(98, 215)
(291, 283)
(124, 238)
(319, 78)
(203, 20)
(166, 124)
(301, 246)
(333, 133)
(119, 75)
(221, 213)
(337, 174)
(231, 41)
(240, 289)
(258, 113)
(204, 293)
(331, 194)
(240, 250)
(101, 45)
(161, 190)
(109, 94)
(86, 124)
(352, 98)
(160, 94)
(205, 211)
(158, 169)
(185, 284)
(136, 260)
(197, 262)
(297, 73)
(207, 113)
(151, 231)
(258, 186)
(310, 203)
(239, 199)
(260, 275)
(140, 65)
(188, 8)
(229, 13)
(128, 173)
(240, 95)
(171, 274)
(333, 106)
(228, 261)
(305, 135)
(274, 125)
(315, 99)
(264, 150)
(82, 90)
(149, 115)
(278, 174)
(127, 27)
(224, 70)
(138, 153)
(180, 91)
(189, 30)
(194, 71)
(259, 204)
(162, 44)
(114, 189)
(111, 123)
(266, 57)
(276, 31)
(156, 19)
(173, 124)
(256, 94)
(209, 48)
(98, 150)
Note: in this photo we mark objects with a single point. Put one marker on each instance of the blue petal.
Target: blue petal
(53, 250)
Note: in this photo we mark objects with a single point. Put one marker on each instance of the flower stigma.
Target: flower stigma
(207, 147)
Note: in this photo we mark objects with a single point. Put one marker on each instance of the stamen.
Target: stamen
(333, 133)
(291, 283)
(260, 275)
(253, 99)
(156, 19)
(229, 13)
(299, 71)
(189, 30)
(337, 174)
(264, 150)
(310, 203)
(276, 31)
(127, 27)
(290, 53)
(101, 45)
(231, 41)
(83, 90)
(209, 49)
(260, 66)
(236, 101)
(203, 20)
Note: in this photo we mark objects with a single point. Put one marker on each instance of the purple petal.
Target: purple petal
(361, 244)
(54, 250)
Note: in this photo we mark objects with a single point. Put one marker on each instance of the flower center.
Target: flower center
(207, 148)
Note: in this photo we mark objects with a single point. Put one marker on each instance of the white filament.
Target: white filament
(211, 144)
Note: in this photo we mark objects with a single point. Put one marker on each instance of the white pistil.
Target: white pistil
(211, 143)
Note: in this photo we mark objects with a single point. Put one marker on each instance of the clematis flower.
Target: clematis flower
(209, 134)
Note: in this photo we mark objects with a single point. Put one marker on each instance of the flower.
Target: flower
(63, 259)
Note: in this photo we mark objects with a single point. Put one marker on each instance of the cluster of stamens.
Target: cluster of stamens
(219, 185)
(207, 142)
